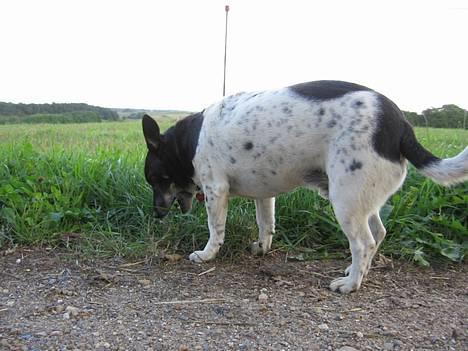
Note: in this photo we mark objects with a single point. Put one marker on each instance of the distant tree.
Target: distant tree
(415, 119)
(447, 116)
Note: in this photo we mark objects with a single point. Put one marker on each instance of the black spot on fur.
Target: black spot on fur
(273, 139)
(232, 160)
(358, 104)
(273, 172)
(321, 111)
(326, 89)
(355, 165)
(331, 123)
(334, 114)
(254, 171)
(210, 141)
(287, 110)
(248, 145)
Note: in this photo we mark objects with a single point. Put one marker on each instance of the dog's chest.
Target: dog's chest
(266, 143)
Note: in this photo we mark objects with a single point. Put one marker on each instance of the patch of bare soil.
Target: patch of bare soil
(55, 301)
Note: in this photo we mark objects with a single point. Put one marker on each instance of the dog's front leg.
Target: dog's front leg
(216, 207)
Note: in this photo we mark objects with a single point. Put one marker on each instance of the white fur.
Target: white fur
(291, 138)
(450, 170)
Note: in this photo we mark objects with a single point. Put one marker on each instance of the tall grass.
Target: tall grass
(82, 185)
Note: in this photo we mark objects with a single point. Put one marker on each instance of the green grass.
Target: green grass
(82, 186)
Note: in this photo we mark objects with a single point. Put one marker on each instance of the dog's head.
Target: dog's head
(162, 170)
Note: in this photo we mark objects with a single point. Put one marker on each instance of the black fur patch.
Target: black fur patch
(177, 151)
(326, 89)
(394, 137)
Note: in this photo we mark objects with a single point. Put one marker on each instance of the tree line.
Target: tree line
(54, 113)
(447, 116)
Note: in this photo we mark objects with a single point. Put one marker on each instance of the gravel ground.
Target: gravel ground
(53, 300)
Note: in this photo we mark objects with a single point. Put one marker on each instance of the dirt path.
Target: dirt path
(53, 301)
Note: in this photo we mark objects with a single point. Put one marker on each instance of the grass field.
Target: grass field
(82, 186)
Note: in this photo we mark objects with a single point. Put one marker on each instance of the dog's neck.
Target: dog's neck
(180, 144)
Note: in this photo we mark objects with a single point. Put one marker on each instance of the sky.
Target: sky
(169, 54)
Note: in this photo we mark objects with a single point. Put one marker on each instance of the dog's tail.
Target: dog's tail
(443, 171)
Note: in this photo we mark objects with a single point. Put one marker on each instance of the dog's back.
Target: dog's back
(270, 142)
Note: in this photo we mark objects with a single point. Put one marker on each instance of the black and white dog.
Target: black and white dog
(348, 141)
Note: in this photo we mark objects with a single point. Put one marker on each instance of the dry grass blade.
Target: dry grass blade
(183, 302)
(207, 271)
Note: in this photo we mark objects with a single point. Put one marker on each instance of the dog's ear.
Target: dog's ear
(151, 133)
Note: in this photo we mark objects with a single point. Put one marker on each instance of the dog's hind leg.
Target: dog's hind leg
(361, 243)
(216, 207)
(265, 212)
(378, 232)
(358, 189)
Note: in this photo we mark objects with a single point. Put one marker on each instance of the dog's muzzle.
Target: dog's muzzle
(184, 199)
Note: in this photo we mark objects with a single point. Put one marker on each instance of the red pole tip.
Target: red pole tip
(226, 8)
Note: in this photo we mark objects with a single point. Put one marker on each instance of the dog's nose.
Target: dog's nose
(160, 213)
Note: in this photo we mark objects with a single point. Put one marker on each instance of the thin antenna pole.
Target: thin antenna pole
(226, 9)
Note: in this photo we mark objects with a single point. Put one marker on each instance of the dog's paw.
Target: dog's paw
(257, 249)
(199, 257)
(343, 285)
